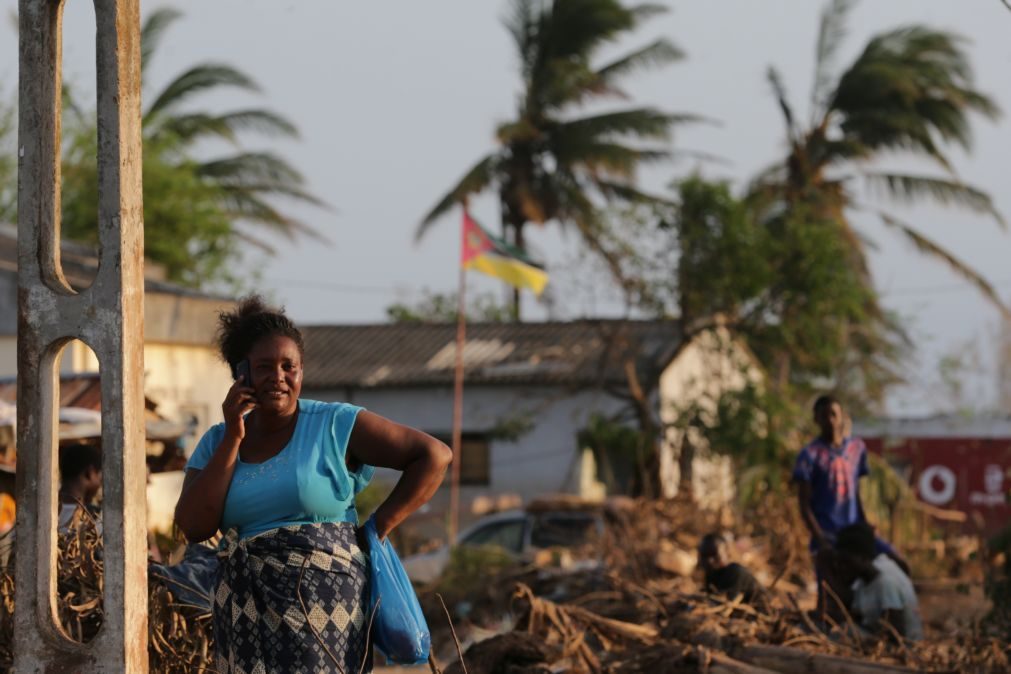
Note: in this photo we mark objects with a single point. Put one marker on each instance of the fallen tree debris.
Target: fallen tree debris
(636, 613)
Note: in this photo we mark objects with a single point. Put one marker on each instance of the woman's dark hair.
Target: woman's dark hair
(250, 321)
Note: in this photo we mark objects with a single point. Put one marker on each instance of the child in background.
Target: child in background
(727, 578)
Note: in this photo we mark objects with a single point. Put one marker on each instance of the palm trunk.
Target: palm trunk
(518, 242)
(512, 232)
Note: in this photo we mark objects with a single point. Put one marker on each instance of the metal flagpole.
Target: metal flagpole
(461, 335)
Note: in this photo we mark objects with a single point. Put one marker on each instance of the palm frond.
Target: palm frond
(191, 127)
(281, 190)
(255, 241)
(151, 33)
(910, 89)
(653, 55)
(911, 189)
(251, 168)
(679, 155)
(929, 247)
(575, 29)
(647, 10)
(629, 193)
(243, 205)
(479, 177)
(607, 159)
(640, 123)
(577, 210)
(779, 90)
(196, 79)
(522, 23)
(831, 33)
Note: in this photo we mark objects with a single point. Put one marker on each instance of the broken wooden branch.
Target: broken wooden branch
(795, 661)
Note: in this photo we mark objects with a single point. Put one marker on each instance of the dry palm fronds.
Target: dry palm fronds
(179, 635)
(633, 616)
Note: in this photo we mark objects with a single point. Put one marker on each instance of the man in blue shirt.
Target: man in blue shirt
(827, 473)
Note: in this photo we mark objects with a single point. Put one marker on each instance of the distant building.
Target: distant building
(530, 388)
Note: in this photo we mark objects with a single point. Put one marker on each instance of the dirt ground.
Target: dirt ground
(952, 606)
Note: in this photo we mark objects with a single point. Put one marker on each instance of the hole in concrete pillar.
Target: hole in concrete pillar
(79, 519)
(79, 194)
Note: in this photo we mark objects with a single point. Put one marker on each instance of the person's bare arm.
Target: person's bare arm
(421, 458)
(806, 514)
(198, 512)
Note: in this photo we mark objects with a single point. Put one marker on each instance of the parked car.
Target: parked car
(520, 533)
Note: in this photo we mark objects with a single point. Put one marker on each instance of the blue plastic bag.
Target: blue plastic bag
(399, 629)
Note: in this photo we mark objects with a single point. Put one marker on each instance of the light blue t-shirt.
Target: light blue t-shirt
(306, 482)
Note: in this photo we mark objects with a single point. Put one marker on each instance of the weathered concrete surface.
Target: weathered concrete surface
(108, 316)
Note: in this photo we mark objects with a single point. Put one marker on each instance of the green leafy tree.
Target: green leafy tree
(553, 164)
(8, 163)
(774, 281)
(198, 213)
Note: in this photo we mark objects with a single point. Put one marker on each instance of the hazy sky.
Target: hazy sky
(395, 100)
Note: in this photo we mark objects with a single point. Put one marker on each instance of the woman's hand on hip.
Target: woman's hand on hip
(239, 402)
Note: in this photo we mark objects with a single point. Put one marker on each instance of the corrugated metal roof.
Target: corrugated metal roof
(940, 426)
(415, 354)
(82, 390)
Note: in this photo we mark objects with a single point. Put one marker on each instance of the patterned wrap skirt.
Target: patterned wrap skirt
(293, 599)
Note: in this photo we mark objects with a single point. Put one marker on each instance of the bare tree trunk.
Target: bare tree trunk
(649, 465)
(686, 462)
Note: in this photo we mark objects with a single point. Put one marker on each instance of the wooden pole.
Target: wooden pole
(457, 440)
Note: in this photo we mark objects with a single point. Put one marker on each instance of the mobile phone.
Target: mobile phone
(243, 370)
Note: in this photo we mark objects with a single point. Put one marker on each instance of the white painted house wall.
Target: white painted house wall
(709, 365)
(546, 459)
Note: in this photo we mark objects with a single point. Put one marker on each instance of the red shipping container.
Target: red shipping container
(957, 464)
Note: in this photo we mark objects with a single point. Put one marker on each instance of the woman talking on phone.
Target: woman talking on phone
(279, 478)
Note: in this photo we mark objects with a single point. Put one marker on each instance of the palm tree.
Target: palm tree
(554, 165)
(910, 91)
(192, 205)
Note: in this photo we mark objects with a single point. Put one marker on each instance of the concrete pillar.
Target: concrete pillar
(108, 317)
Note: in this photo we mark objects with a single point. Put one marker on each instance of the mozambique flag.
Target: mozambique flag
(489, 255)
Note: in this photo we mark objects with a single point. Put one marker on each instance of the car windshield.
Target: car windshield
(507, 534)
(562, 530)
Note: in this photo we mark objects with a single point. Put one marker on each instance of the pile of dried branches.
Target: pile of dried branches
(179, 635)
(635, 614)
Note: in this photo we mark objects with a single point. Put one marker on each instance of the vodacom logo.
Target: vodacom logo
(937, 485)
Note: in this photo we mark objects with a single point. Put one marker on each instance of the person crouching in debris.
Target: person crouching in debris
(727, 578)
(279, 479)
(827, 473)
(874, 588)
(80, 482)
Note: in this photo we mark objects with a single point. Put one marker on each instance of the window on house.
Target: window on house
(475, 458)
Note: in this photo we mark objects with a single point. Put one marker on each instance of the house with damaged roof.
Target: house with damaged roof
(530, 392)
